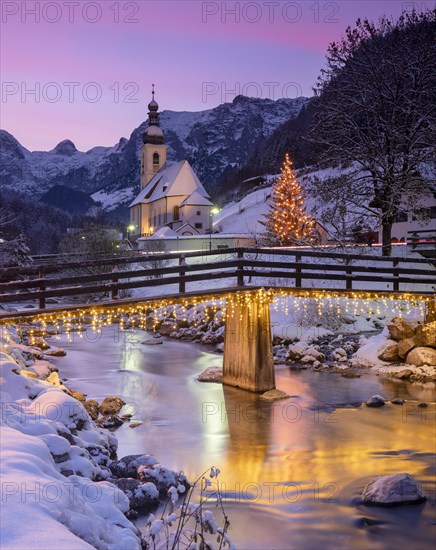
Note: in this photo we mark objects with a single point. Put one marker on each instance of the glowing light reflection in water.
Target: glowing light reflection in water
(293, 470)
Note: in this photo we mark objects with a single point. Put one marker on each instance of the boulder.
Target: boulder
(399, 329)
(91, 406)
(422, 356)
(389, 352)
(111, 405)
(393, 490)
(142, 497)
(128, 465)
(408, 344)
(428, 335)
(375, 401)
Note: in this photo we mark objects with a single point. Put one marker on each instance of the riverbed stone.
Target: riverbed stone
(110, 422)
(397, 401)
(128, 465)
(211, 374)
(57, 352)
(166, 328)
(375, 401)
(389, 352)
(422, 356)
(393, 490)
(77, 395)
(143, 497)
(274, 395)
(40, 343)
(404, 374)
(111, 405)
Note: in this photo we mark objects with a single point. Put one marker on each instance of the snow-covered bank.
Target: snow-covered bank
(60, 471)
(46, 436)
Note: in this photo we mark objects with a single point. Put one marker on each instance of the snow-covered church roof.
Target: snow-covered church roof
(176, 180)
(196, 199)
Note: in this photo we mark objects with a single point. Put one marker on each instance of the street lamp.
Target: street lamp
(214, 210)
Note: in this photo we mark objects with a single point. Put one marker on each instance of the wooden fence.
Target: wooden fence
(236, 267)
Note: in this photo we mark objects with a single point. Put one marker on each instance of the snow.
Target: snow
(112, 199)
(39, 504)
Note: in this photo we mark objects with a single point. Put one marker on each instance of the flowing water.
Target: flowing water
(293, 470)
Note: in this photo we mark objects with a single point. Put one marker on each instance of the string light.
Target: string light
(139, 314)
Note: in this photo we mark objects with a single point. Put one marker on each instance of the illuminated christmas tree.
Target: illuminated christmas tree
(287, 221)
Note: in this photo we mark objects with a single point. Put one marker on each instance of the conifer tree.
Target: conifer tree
(287, 221)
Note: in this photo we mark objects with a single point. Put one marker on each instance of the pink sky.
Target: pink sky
(110, 58)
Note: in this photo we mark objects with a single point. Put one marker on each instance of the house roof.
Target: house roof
(176, 180)
(185, 226)
(196, 199)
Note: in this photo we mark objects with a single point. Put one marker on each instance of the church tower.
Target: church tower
(154, 150)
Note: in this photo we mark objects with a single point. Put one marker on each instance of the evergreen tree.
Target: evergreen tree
(287, 222)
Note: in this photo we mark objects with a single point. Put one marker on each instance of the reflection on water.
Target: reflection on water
(292, 471)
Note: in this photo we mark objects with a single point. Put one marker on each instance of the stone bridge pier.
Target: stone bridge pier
(248, 357)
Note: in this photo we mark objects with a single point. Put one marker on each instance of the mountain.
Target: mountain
(66, 198)
(217, 142)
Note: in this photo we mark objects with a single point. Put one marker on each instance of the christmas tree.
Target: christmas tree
(287, 222)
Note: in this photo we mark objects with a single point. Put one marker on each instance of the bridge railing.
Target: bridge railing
(237, 267)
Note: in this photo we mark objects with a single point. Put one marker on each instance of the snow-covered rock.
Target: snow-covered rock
(128, 465)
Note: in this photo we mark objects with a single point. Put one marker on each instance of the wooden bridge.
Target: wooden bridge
(235, 275)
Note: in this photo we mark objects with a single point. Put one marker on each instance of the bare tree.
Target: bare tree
(376, 108)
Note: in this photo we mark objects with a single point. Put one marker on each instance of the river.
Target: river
(293, 470)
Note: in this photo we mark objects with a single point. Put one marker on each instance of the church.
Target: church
(170, 196)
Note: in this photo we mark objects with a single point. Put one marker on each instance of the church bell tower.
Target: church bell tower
(154, 150)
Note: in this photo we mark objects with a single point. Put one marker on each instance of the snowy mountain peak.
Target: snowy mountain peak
(65, 147)
(216, 142)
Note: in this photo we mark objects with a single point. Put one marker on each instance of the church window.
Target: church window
(198, 213)
(198, 226)
(176, 213)
(155, 158)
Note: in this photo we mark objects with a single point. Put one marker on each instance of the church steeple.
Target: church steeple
(154, 150)
(153, 134)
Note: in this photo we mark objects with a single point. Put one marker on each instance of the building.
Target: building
(170, 196)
